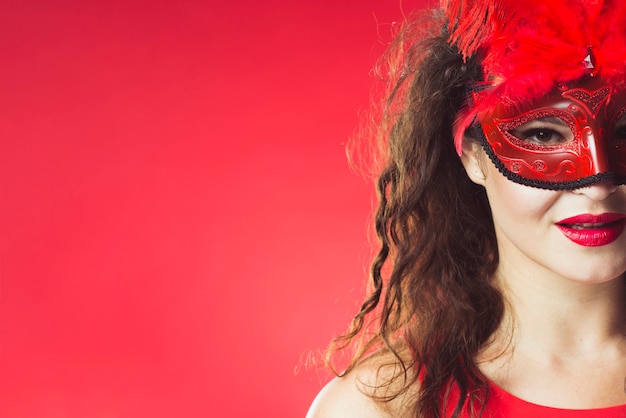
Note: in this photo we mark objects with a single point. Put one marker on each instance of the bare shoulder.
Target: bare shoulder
(343, 398)
(358, 393)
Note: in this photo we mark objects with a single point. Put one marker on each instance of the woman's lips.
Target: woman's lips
(593, 230)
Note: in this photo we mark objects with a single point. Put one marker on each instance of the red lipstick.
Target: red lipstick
(593, 230)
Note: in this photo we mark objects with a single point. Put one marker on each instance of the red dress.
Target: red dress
(503, 404)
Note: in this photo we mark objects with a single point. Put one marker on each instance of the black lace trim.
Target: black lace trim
(541, 184)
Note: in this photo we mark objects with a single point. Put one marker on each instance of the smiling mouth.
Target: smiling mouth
(593, 230)
(589, 225)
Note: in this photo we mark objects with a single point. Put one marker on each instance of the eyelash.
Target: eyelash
(530, 133)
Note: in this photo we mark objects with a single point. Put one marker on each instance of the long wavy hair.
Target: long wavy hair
(431, 293)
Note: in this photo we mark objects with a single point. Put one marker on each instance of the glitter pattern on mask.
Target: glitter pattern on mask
(507, 125)
(593, 101)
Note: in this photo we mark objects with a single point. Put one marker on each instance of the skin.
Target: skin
(346, 397)
(566, 320)
(562, 342)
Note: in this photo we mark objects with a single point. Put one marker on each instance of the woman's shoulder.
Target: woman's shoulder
(343, 397)
(364, 392)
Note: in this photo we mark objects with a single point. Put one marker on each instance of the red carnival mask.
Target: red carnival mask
(541, 127)
(571, 138)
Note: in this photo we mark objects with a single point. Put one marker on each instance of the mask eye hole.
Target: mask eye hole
(619, 127)
(545, 131)
(540, 130)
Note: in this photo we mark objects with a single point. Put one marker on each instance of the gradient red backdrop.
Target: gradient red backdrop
(179, 225)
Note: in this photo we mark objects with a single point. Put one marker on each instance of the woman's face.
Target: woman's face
(533, 161)
(573, 234)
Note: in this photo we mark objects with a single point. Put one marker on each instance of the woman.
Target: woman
(499, 286)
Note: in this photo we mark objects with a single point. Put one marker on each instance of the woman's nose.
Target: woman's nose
(598, 191)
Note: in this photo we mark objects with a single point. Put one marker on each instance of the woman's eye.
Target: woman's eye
(620, 132)
(541, 136)
(542, 131)
(619, 128)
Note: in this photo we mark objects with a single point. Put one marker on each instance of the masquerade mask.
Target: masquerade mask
(540, 126)
(570, 138)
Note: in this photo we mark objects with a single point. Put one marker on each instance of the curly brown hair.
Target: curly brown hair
(431, 290)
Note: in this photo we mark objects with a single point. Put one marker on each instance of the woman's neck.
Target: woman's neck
(559, 337)
(558, 315)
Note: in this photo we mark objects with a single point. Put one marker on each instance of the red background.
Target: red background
(178, 223)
